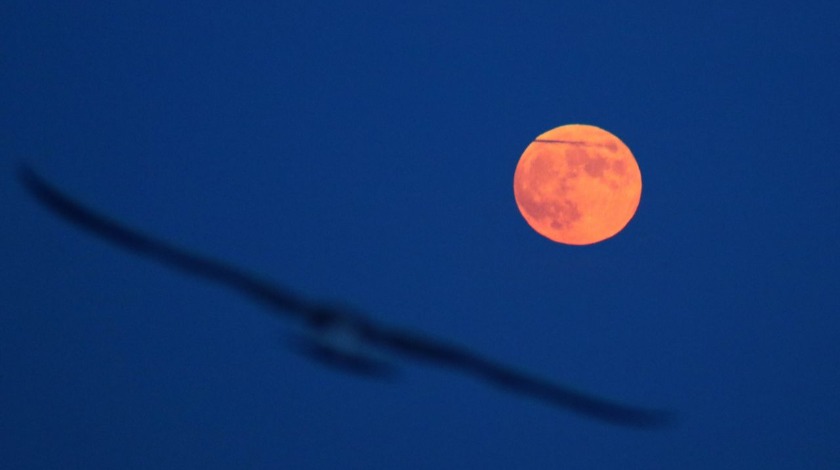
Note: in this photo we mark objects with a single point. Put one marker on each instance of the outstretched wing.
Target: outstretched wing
(321, 316)
(431, 350)
(282, 300)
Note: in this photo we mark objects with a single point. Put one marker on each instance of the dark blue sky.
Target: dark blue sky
(365, 153)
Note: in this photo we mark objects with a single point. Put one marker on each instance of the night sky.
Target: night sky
(363, 153)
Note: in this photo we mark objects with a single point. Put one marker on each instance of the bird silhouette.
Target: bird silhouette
(339, 336)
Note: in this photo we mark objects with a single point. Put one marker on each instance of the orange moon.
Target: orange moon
(577, 184)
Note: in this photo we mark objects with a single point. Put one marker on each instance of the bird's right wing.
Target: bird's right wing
(431, 350)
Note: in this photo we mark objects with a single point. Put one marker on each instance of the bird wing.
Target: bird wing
(402, 342)
(67, 208)
(431, 350)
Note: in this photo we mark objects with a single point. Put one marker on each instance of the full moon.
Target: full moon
(577, 184)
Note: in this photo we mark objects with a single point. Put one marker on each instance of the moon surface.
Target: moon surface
(577, 184)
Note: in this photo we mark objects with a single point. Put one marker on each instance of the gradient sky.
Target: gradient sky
(364, 153)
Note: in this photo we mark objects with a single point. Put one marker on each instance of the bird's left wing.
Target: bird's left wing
(283, 301)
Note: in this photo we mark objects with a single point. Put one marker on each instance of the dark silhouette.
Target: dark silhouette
(342, 337)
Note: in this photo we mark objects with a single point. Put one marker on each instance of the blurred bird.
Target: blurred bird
(337, 335)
